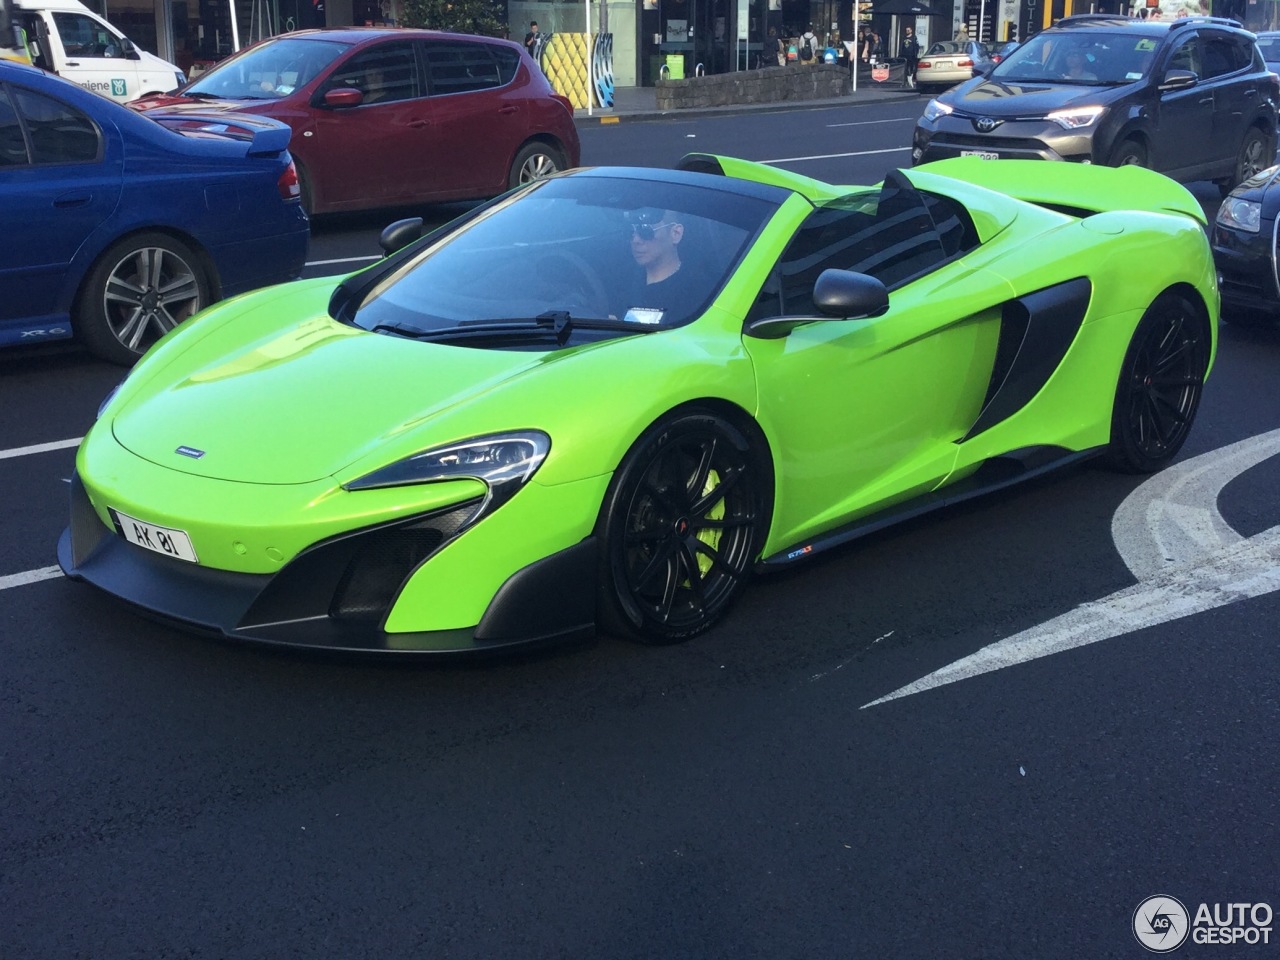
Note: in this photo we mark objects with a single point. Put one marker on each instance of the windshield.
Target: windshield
(627, 252)
(269, 71)
(1090, 58)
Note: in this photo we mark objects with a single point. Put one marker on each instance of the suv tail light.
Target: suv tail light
(288, 184)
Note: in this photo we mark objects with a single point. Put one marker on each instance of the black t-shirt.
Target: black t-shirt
(675, 297)
(528, 38)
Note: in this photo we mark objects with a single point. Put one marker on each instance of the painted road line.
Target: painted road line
(867, 123)
(39, 448)
(29, 576)
(1186, 557)
(836, 156)
(327, 263)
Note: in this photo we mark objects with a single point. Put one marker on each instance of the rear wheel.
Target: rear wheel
(534, 161)
(681, 525)
(1250, 161)
(1129, 153)
(140, 289)
(1160, 385)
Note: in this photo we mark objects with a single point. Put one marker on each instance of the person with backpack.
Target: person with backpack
(808, 46)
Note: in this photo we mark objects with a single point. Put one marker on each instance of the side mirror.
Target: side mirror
(130, 49)
(400, 234)
(1179, 80)
(344, 97)
(849, 296)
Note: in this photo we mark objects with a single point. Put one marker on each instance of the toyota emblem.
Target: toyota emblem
(986, 124)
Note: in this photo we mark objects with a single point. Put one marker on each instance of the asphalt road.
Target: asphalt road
(165, 796)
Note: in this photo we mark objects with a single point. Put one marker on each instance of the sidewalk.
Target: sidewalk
(632, 104)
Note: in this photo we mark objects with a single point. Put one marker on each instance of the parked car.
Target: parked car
(121, 225)
(947, 62)
(1190, 97)
(607, 398)
(386, 116)
(1269, 44)
(67, 38)
(1244, 248)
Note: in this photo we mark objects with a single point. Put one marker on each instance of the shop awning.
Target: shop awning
(904, 8)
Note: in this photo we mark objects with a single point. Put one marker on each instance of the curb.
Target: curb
(607, 116)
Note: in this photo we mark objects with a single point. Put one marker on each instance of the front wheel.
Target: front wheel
(680, 527)
(140, 289)
(534, 161)
(1129, 153)
(1160, 386)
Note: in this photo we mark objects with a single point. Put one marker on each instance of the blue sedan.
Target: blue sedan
(120, 226)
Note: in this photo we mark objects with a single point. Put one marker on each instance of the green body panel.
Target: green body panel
(857, 415)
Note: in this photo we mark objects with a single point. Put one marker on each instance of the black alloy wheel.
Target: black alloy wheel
(1160, 385)
(1250, 161)
(682, 523)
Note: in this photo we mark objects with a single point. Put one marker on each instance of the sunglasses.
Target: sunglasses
(646, 231)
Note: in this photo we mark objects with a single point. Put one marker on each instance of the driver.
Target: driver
(665, 285)
(1078, 66)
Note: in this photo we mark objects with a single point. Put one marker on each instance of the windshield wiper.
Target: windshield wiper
(558, 323)
(201, 95)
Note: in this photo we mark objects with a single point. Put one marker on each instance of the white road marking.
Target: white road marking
(29, 576)
(836, 156)
(867, 123)
(1186, 557)
(39, 448)
(326, 263)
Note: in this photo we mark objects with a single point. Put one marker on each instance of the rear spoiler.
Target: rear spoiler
(1078, 188)
(266, 137)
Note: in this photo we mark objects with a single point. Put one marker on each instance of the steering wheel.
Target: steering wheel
(567, 277)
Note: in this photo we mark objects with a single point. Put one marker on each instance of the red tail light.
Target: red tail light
(965, 63)
(288, 184)
(923, 63)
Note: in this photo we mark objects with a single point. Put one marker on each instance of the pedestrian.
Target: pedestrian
(909, 50)
(873, 46)
(531, 39)
(808, 45)
(962, 33)
(773, 53)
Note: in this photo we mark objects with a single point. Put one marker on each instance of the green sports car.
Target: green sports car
(607, 398)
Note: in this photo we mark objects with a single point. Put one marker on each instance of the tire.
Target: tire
(139, 290)
(1129, 153)
(1160, 386)
(680, 527)
(1250, 161)
(534, 161)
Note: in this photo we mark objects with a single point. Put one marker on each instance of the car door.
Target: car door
(94, 56)
(60, 179)
(1180, 136)
(471, 118)
(1236, 95)
(372, 154)
(866, 412)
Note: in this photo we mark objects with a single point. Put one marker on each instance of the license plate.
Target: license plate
(980, 154)
(165, 540)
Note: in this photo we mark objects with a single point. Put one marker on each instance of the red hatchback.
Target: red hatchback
(385, 116)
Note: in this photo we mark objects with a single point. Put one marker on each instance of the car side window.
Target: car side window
(85, 37)
(1186, 56)
(895, 234)
(13, 145)
(385, 73)
(1218, 57)
(59, 133)
(460, 67)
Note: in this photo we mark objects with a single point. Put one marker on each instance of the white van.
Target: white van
(67, 38)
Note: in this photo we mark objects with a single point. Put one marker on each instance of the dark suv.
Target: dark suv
(1191, 98)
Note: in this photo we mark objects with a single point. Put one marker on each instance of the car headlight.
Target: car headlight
(1073, 118)
(935, 109)
(1240, 214)
(504, 461)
